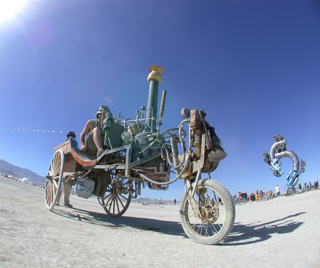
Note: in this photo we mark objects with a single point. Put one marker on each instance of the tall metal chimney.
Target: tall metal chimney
(154, 79)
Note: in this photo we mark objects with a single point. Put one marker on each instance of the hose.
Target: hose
(142, 176)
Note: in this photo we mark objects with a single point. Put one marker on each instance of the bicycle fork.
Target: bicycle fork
(192, 202)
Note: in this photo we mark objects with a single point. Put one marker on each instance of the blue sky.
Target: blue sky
(253, 66)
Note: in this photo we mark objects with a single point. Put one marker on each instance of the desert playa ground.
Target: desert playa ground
(283, 232)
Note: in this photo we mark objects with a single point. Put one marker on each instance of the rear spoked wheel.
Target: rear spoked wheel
(216, 213)
(117, 196)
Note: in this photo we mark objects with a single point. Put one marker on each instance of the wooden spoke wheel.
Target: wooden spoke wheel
(117, 196)
(54, 179)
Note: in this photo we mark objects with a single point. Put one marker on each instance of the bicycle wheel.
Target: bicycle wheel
(217, 213)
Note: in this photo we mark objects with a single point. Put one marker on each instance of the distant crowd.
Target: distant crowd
(260, 195)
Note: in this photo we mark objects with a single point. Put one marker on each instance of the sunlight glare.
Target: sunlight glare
(8, 8)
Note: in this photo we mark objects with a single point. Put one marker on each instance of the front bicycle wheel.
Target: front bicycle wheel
(216, 213)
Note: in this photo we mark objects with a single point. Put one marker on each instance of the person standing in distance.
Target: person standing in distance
(277, 190)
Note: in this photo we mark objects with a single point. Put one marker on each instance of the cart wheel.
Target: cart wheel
(117, 196)
(217, 213)
(54, 179)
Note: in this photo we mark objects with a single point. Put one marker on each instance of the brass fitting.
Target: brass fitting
(155, 73)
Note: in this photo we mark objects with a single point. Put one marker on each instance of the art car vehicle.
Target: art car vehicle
(147, 156)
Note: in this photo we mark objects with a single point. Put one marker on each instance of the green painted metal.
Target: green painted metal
(152, 106)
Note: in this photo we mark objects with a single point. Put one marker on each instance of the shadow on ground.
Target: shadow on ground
(165, 227)
(241, 234)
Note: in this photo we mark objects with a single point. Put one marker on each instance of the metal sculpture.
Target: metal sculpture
(278, 151)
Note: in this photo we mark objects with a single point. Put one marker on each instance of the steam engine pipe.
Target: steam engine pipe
(154, 79)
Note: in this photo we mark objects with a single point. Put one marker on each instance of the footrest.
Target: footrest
(84, 158)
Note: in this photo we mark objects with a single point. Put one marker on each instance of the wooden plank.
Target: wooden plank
(83, 158)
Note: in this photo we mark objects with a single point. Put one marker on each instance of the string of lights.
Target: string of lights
(30, 130)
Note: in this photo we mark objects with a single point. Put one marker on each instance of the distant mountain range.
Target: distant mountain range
(18, 172)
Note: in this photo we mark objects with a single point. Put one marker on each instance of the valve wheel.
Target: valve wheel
(173, 132)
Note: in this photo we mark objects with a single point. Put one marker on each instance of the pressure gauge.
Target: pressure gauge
(125, 135)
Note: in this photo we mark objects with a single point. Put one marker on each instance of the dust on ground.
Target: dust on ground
(283, 232)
